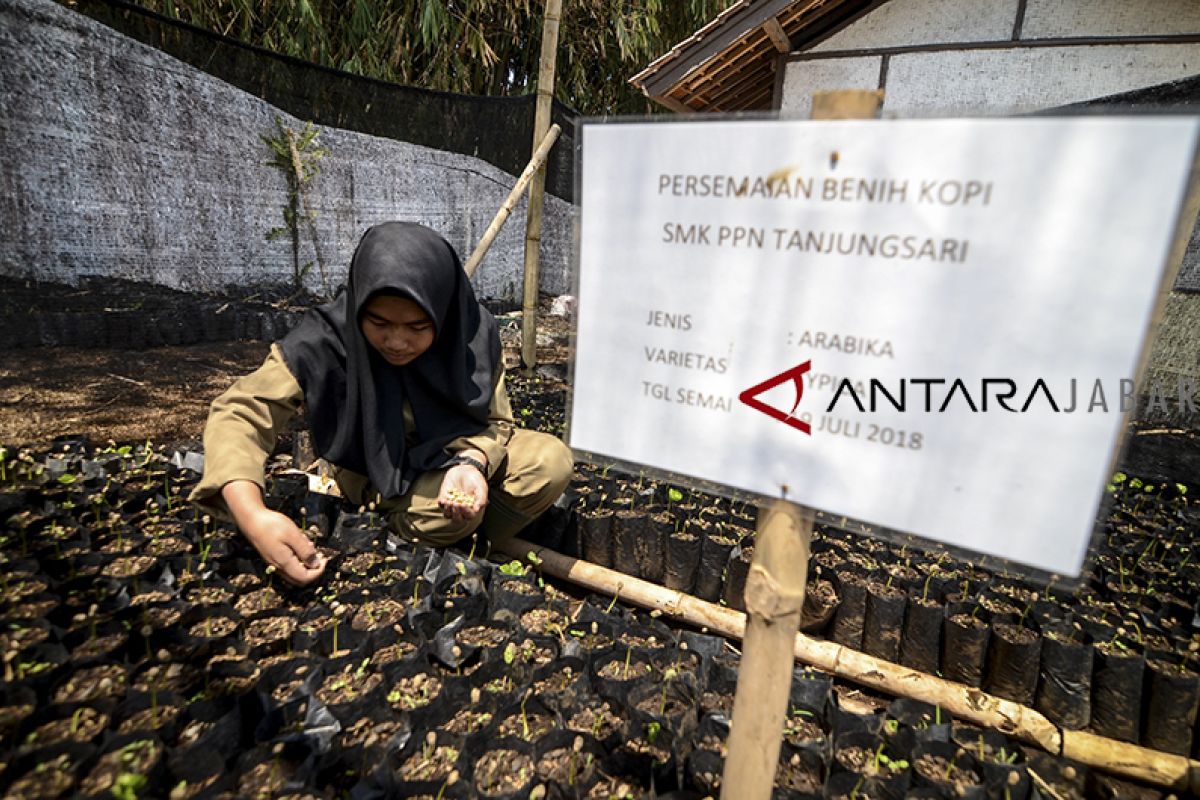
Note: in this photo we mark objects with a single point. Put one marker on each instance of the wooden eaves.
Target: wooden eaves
(730, 64)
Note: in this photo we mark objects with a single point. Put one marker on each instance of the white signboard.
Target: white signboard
(964, 301)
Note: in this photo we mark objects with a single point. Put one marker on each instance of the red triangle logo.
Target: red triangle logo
(795, 375)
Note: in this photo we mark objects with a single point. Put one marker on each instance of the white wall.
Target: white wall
(118, 160)
(903, 22)
(960, 57)
(1017, 81)
(1062, 18)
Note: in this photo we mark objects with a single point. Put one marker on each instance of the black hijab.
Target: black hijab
(355, 399)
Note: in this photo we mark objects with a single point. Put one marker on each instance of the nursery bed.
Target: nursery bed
(145, 647)
(147, 652)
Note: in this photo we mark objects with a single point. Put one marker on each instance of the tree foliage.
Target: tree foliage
(488, 47)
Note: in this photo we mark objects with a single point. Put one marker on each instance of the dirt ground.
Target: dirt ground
(161, 394)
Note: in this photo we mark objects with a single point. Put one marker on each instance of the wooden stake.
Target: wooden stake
(774, 597)
(539, 158)
(533, 227)
(847, 104)
(1126, 760)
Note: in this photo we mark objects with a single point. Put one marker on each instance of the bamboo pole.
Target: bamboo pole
(539, 158)
(774, 597)
(1126, 760)
(533, 226)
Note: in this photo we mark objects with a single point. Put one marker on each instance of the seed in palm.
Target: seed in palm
(461, 497)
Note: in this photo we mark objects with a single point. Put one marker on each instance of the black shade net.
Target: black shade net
(498, 130)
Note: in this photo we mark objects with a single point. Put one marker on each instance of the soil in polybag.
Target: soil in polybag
(714, 555)
(683, 561)
(1174, 692)
(1065, 687)
(734, 593)
(965, 637)
(921, 638)
(596, 537)
(847, 625)
(1117, 690)
(1013, 658)
(883, 619)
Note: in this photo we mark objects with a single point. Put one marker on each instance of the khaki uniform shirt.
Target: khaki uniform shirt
(243, 424)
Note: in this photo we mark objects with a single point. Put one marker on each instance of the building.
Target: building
(958, 58)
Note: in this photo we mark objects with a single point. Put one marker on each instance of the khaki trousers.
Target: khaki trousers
(533, 474)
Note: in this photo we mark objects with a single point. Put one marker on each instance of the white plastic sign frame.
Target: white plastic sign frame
(964, 301)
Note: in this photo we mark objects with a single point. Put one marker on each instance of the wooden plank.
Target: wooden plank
(778, 37)
(740, 94)
(675, 104)
(749, 18)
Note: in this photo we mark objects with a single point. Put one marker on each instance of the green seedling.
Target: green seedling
(669, 675)
(883, 763)
(513, 568)
(127, 786)
(451, 779)
(950, 767)
(613, 602)
(1006, 757)
(533, 558)
(524, 719)
(1032, 599)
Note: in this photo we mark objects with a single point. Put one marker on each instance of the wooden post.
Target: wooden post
(539, 158)
(775, 593)
(774, 597)
(537, 190)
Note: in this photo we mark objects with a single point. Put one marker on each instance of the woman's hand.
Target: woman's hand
(285, 547)
(276, 538)
(464, 493)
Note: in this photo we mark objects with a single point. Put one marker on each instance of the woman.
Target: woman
(402, 384)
